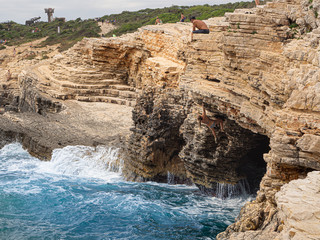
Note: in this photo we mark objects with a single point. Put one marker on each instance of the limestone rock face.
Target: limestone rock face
(263, 80)
(152, 149)
(31, 100)
(299, 208)
(113, 70)
(208, 161)
(258, 68)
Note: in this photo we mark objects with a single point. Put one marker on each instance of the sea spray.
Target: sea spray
(100, 162)
(228, 191)
(225, 190)
(170, 178)
(80, 194)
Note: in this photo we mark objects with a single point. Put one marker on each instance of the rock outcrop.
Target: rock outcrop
(264, 80)
(300, 221)
(152, 150)
(258, 68)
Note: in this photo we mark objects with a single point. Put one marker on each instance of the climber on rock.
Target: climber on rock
(202, 27)
(8, 75)
(211, 123)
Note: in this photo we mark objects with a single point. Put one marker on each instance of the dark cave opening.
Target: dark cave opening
(252, 165)
(249, 167)
(178, 150)
(229, 167)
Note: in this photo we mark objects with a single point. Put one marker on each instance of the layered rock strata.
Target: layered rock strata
(152, 150)
(79, 123)
(263, 80)
(114, 69)
(95, 72)
(258, 68)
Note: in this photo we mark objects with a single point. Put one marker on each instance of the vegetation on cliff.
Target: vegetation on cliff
(70, 32)
(131, 21)
(74, 30)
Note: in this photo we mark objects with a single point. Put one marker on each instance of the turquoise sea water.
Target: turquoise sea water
(78, 196)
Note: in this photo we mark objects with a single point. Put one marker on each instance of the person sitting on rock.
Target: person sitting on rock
(211, 123)
(158, 21)
(182, 18)
(202, 27)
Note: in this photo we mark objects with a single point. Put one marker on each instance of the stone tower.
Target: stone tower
(49, 12)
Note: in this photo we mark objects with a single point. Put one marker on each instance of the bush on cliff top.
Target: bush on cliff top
(74, 30)
(70, 32)
(131, 21)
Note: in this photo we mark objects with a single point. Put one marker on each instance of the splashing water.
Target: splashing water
(80, 194)
(225, 190)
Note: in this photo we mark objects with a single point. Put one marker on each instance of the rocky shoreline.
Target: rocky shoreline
(250, 68)
(80, 123)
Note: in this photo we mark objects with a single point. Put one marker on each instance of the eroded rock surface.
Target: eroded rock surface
(153, 148)
(80, 123)
(299, 208)
(259, 68)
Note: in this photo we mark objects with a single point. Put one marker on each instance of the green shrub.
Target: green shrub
(30, 57)
(71, 32)
(74, 30)
(293, 25)
(131, 21)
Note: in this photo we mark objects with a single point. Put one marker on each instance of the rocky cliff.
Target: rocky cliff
(260, 71)
(258, 68)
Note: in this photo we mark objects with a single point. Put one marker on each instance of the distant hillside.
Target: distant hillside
(75, 30)
(70, 32)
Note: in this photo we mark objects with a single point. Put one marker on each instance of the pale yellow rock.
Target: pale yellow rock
(247, 67)
(299, 205)
(309, 143)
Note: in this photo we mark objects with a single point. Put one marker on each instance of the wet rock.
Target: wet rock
(152, 149)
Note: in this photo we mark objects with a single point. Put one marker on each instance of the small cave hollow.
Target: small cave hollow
(231, 166)
(252, 165)
(248, 169)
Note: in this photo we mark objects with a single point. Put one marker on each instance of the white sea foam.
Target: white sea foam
(80, 161)
(212, 206)
(15, 158)
(88, 162)
(70, 191)
(101, 163)
(173, 186)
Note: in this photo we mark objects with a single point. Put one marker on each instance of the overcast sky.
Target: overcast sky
(21, 10)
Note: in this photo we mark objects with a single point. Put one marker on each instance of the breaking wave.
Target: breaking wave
(80, 194)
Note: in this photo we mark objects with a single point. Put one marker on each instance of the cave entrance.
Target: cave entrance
(252, 165)
(232, 166)
(243, 174)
